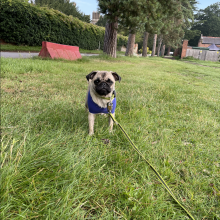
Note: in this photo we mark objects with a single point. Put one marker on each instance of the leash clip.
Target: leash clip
(109, 107)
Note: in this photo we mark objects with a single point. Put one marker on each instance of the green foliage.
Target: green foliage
(191, 34)
(148, 51)
(169, 21)
(64, 6)
(207, 22)
(130, 14)
(102, 21)
(24, 23)
(177, 26)
(23, 1)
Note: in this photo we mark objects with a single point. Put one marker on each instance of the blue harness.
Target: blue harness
(95, 109)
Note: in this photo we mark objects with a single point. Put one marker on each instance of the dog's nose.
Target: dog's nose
(104, 84)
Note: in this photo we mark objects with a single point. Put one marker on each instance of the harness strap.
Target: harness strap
(109, 98)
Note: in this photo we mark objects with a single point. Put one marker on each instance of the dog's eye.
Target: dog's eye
(109, 81)
(97, 81)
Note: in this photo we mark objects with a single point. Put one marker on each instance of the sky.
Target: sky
(88, 6)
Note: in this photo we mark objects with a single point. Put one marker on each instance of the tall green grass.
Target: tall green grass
(52, 169)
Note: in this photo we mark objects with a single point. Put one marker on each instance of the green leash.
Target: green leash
(151, 166)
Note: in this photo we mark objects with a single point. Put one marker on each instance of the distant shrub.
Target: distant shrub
(148, 51)
(28, 24)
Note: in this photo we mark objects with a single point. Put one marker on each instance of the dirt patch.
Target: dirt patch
(9, 90)
(169, 57)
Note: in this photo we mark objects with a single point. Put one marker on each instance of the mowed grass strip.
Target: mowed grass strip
(25, 48)
(52, 169)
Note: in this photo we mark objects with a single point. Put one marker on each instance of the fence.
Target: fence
(203, 54)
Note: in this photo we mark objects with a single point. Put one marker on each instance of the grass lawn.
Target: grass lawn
(201, 62)
(20, 48)
(52, 169)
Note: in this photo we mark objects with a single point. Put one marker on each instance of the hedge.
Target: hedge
(28, 24)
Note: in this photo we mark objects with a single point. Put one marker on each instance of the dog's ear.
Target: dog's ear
(116, 76)
(91, 75)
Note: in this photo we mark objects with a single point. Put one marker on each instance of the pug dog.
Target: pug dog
(101, 91)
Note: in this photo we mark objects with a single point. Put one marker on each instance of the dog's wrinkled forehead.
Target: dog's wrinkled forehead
(104, 75)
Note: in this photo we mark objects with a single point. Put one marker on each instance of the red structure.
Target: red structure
(184, 48)
(53, 50)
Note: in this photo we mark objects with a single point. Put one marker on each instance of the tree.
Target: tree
(163, 50)
(128, 13)
(123, 30)
(133, 14)
(102, 21)
(110, 9)
(145, 42)
(110, 39)
(154, 45)
(64, 6)
(158, 12)
(155, 11)
(207, 22)
(180, 26)
(159, 44)
(133, 18)
(163, 21)
(192, 34)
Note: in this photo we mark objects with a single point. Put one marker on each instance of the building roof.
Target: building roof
(210, 40)
(213, 47)
(200, 48)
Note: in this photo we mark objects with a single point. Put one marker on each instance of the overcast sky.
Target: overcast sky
(88, 6)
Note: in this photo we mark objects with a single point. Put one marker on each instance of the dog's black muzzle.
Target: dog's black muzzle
(103, 88)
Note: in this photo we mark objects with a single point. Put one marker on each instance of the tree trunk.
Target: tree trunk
(130, 45)
(144, 52)
(168, 51)
(154, 45)
(163, 50)
(110, 39)
(159, 46)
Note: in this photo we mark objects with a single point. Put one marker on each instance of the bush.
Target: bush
(24, 23)
(148, 51)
